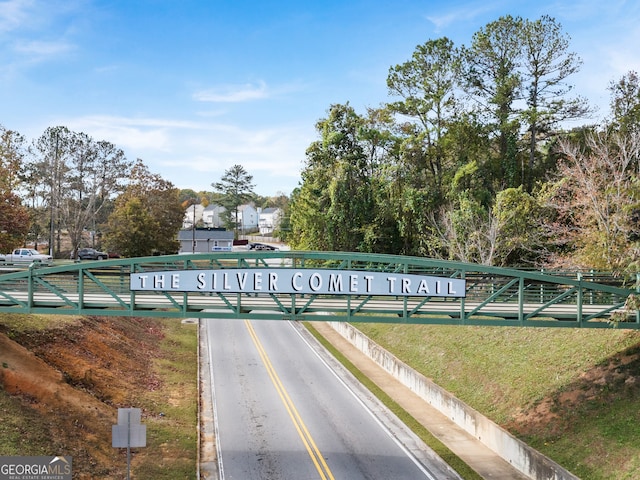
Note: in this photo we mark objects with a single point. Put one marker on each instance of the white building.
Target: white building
(212, 216)
(269, 220)
(247, 221)
(192, 215)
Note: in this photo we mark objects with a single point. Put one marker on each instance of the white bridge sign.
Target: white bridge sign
(297, 281)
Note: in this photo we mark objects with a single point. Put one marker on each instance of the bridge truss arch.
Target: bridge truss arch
(492, 296)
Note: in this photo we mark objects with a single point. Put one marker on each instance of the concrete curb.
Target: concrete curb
(207, 452)
(525, 459)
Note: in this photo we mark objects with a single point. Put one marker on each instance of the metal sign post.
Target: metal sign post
(129, 433)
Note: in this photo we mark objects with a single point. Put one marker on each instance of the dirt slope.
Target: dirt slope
(75, 379)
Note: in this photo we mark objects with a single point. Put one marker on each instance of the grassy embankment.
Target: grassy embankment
(572, 394)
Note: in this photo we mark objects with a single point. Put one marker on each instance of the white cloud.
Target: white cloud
(34, 31)
(194, 154)
(233, 93)
(139, 134)
(37, 48)
(273, 156)
(464, 14)
(39, 15)
(13, 14)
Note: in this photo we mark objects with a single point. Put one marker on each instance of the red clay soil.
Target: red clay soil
(77, 378)
(618, 378)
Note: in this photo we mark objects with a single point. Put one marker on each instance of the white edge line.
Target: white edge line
(413, 458)
(215, 408)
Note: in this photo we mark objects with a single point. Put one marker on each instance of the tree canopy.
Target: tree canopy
(147, 216)
(14, 217)
(469, 160)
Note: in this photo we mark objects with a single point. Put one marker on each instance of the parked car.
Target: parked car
(91, 254)
(261, 246)
(26, 255)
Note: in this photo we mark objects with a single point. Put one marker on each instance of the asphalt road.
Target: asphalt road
(285, 409)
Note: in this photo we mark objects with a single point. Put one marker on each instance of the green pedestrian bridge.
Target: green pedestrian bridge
(340, 286)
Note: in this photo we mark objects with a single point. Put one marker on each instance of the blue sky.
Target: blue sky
(194, 87)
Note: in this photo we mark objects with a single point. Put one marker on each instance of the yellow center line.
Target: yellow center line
(307, 439)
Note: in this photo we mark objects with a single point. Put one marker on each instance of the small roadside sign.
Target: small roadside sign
(129, 433)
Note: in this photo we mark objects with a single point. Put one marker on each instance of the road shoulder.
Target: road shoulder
(474, 453)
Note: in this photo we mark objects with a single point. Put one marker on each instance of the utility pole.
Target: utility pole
(193, 230)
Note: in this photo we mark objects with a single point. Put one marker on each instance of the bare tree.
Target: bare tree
(596, 199)
(80, 175)
(97, 171)
(469, 233)
(49, 168)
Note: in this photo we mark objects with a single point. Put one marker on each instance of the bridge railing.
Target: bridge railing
(493, 296)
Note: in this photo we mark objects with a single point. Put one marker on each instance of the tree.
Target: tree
(490, 73)
(189, 197)
(49, 169)
(14, 221)
(468, 231)
(521, 239)
(351, 206)
(131, 229)
(596, 200)
(625, 103)
(12, 154)
(426, 86)
(81, 175)
(236, 188)
(34, 192)
(469, 144)
(147, 216)
(419, 161)
(311, 202)
(380, 144)
(507, 234)
(14, 217)
(335, 203)
(547, 64)
(96, 171)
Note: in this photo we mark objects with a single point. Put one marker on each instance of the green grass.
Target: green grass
(503, 371)
(174, 428)
(13, 323)
(602, 443)
(19, 432)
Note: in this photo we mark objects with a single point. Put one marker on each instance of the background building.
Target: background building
(205, 240)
